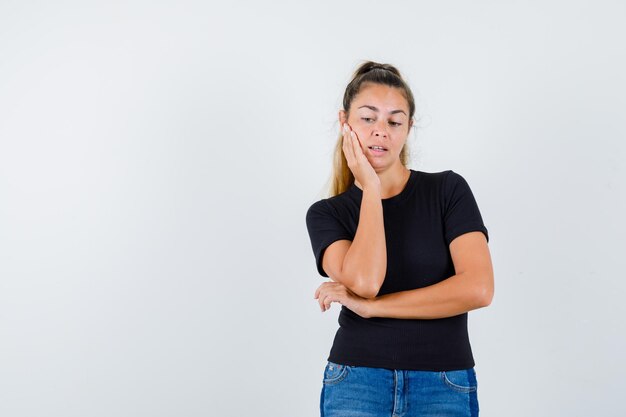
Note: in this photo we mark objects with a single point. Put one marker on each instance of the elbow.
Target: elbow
(366, 289)
(370, 294)
(481, 289)
(365, 280)
(361, 287)
(484, 296)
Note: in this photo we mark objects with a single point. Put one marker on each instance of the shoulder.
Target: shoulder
(437, 180)
(331, 205)
(318, 207)
(323, 205)
(455, 185)
(452, 179)
(446, 183)
(437, 176)
(323, 208)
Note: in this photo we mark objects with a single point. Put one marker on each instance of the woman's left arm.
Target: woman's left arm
(470, 288)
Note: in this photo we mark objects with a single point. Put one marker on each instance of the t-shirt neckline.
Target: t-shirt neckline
(396, 198)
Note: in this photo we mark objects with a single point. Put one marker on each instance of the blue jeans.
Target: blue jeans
(360, 391)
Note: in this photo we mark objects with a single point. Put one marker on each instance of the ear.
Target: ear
(342, 118)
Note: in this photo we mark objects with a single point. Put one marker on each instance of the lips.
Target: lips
(375, 152)
(380, 146)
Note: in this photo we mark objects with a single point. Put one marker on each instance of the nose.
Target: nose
(380, 132)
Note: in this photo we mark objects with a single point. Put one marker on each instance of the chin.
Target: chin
(379, 167)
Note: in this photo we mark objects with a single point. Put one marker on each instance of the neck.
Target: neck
(392, 180)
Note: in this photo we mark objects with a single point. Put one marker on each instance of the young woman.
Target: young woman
(407, 255)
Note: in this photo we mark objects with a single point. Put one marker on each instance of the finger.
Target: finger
(347, 152)
(353, 145)
(360, 156)
(321, 301)
(358, 149)
(318, 291)
(349, 148)
(323, 305)
(328, 301)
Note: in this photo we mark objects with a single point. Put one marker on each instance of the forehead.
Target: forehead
(382, 96)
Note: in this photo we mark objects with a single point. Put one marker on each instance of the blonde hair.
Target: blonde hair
(368, 72)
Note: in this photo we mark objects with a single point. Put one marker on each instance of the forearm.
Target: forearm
(365, 262)
(453, 296)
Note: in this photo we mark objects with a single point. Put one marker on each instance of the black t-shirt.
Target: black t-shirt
(420, 222)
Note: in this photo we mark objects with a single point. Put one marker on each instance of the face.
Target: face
(379, 115)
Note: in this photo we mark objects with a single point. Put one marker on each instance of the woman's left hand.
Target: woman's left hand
(332, 291)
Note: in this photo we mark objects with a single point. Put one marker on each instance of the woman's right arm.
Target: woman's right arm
(361, 265)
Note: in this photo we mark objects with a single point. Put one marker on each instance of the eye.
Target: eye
(395, 124)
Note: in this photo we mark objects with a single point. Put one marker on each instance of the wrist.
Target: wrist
(372, 307)
(372, 190)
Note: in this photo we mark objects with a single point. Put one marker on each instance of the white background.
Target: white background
(157, 160)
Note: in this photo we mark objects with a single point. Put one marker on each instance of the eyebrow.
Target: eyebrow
(376, 109)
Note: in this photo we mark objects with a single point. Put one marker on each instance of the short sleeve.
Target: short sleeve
(324, 228)
(460, 210)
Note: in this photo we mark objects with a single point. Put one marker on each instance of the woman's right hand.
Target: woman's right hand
(358, 163)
